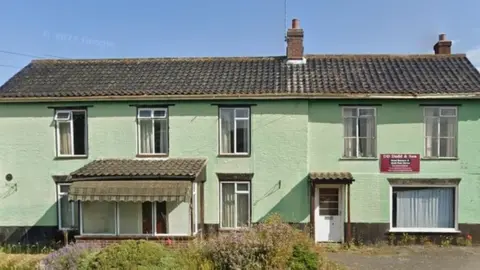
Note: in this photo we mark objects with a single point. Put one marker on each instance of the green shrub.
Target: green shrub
(303, 258)
(132, 254)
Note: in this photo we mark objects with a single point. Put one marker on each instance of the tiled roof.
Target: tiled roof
(140, 168)
(331, 176)
(328, 75)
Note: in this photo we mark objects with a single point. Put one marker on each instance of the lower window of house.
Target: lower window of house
(235, 204)
(132, 218)
(423, 207)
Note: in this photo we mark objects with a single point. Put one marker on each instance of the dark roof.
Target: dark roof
(331, 177)
(188, 168)
(328, 75)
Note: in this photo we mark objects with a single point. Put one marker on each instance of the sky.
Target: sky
(33, 29)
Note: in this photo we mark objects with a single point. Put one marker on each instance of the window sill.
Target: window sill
(423, 230)
(440, 158)
(70, 157)
(151, 155)
(233, 155)
(358, 159)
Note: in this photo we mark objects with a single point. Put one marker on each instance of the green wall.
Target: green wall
(289, 139)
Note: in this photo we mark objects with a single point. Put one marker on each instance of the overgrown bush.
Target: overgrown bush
(20, 261)
(70, 257)
(268, 245)
(132, 254)
(303, 258)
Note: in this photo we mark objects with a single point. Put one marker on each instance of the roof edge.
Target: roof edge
(474, 95)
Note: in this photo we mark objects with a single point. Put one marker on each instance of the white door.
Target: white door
(329, 214)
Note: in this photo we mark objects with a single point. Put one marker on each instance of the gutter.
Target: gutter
(302, 96)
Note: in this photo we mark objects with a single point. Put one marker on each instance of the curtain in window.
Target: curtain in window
(350, 132)
(66, 209)
(65, 140)
(227, 131)
(431, 132)
(228, 205)
(146, 136)
(242, 210)
(425, 208)
(161, 136)
(448, 134)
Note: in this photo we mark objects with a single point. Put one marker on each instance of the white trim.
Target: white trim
(235, 119)
(72, 205)
(357, 130)
(440, 108)
(342, 205)
(70, 121)
(236, 192)
(433, 230)
(153, 118)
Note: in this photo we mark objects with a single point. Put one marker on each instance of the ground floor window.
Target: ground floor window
(67, 212)
(234, 204)
(426, 208)
(140, 218)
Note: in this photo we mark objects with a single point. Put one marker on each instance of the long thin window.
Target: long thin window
(234, 131)
(71, 132)
(153, 131)
(441, 132)
(359, 132)
(234, 204)
(67, 211)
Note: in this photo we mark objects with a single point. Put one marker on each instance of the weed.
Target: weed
(445, 241)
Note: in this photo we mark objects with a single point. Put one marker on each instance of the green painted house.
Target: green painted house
(354, 145)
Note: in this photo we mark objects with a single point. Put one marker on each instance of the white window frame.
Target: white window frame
(235, 119)
(60, 194)
(72, 137)
(440, 108)
(195, 208)
(154, 219)
(423, 230)
(153, 118)
(358, 108)
(248, 192)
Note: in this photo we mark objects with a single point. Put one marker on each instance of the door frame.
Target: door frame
(316, 205)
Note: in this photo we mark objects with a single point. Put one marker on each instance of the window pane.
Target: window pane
(365, 111)
(431, 126)
(350, 147)
(448, 112)
(366, 147)
(65, 140)
(350, 127)
(161, 136)
(447, 126)
(64, 188)
(242, 187)
(424, 207)
(130, 218)
(432, 112)
(173, 217)
(98, 217)
(147, 218)
(62, 116)
(228, 205)
(431, 144)
(242, 210)
(242, 136)
(161, 222)
(160, 113)
(447, 147)
(349, 112)
(328, 201)
(66, 215)
(146, 136)
(145, 113)
(227, 130)
(79, 132)
(241, 112)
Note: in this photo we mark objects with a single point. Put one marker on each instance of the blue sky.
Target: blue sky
(121, 28)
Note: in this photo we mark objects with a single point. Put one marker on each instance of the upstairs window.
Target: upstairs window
(153, 131)
(359, 132)
(441, 132)
(71, 132)
(234, 131)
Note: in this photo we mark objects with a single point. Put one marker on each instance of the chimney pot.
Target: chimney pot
(442, 37)
(295, 24)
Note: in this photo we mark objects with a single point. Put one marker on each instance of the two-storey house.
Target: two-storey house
(352, 145)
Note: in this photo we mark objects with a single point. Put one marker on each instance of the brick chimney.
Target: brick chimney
(443, 46)
(295, 42)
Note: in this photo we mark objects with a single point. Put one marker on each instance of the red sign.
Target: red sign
(397, 163)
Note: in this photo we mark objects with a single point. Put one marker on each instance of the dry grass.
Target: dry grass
(20, 261)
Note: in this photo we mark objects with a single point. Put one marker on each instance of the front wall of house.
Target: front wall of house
(289, 139)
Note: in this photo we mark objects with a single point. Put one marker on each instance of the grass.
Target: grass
(20, 261)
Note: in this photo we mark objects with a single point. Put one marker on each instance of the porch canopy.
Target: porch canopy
(331, 178)
(135, 180)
